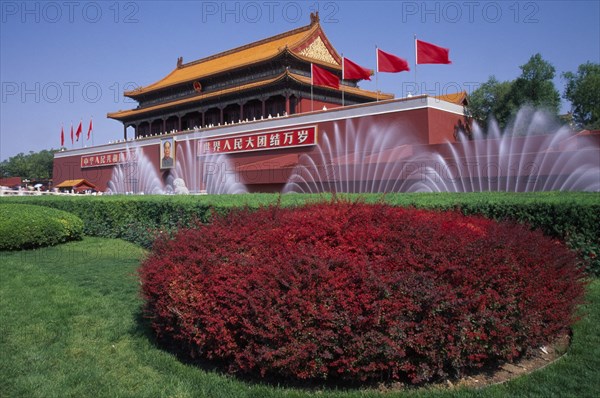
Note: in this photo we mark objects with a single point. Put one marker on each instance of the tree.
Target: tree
(583, 90)
(491, 98)
(33, 166)
(502, 100)
(535, 86)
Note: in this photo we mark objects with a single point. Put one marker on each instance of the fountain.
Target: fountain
(522, 158)
(532, 154)
(212, 174)
(136, 175)
(369, 159)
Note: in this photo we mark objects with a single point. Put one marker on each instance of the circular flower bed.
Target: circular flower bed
(359, 292)
(29, 226)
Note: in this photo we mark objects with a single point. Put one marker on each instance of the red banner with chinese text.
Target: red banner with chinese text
(292, 138)
(105, 159)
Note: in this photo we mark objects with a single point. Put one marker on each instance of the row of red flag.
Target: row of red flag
(426, 53)
(77, 133)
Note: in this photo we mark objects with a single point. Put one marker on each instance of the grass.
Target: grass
(70, 326)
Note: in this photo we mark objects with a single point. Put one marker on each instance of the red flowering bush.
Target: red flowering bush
(359, 292)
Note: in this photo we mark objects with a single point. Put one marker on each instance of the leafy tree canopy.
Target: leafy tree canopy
(583, 90)
(502, 100)
(535, 87)
(33, 166)
(491, 98)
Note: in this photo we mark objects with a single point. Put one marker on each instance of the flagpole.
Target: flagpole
(312, 107)
(342, 82)
(416, 60)
(377, 73)
(92, 132)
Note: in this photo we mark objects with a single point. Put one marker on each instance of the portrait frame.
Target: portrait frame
(167, 145)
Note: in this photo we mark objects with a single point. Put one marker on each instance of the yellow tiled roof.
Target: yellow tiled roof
(235, 58)
(74, 183)
(459, 98)
(197, 98)
(302, 79)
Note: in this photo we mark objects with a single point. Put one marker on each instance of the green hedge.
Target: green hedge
(24, 226)
(137, 218)
(572, 216)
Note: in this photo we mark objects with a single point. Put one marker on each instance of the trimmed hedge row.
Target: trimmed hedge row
(139, 218)
(28, 226)
(359, 292)
(571, 216)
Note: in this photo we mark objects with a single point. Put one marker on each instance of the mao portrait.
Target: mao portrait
(167, 154)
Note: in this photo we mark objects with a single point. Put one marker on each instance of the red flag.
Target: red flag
(355, 71)
(72, 142)
(387, 62)
(321, 77)
(428, 53)
(89, 133)
(78, 132)
(62, 136)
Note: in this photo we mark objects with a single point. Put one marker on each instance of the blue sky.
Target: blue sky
(62, 62)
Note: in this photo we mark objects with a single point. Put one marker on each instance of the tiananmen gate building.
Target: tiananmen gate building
(256, 105)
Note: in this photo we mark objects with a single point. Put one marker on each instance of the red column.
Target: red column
(287, 104)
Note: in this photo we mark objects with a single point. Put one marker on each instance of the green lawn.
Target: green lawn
(70, 327)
